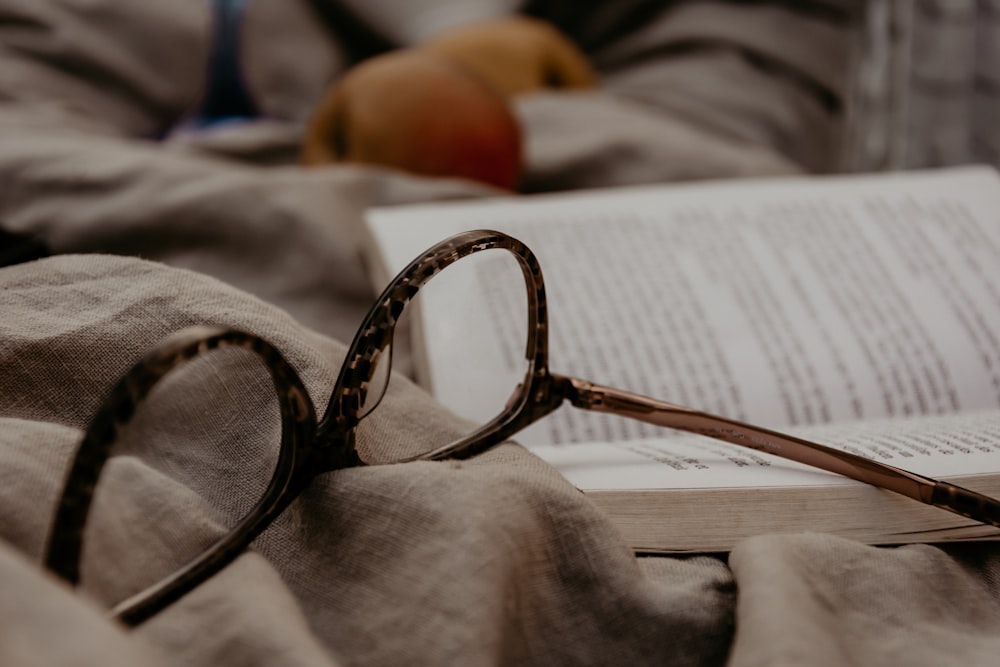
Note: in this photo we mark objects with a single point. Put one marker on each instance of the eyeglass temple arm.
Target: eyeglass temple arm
(945, 495)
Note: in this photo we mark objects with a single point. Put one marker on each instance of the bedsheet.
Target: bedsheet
(495, 560)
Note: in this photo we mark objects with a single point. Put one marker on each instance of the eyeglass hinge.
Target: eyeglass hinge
(580, 392)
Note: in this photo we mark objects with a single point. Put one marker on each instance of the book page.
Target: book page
(948, 446)
(782, 303)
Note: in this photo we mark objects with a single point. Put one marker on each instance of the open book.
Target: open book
(862, 312)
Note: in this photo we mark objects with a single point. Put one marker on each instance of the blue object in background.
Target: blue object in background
(226, 97)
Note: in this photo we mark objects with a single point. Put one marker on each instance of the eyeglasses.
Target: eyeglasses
(309, 447)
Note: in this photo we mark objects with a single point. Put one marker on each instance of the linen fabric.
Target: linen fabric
(495, 560)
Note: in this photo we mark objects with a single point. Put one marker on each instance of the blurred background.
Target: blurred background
(928, 85)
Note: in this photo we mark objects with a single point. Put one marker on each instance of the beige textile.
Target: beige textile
(491, 561)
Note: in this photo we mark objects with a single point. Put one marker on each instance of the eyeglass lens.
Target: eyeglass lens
(191, 462)
(486, 328)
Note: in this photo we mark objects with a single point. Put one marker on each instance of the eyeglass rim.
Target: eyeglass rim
(377, 330)
(307, 447)
(64, 546)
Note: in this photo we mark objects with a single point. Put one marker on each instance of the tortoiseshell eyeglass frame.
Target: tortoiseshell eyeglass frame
(309, 448)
